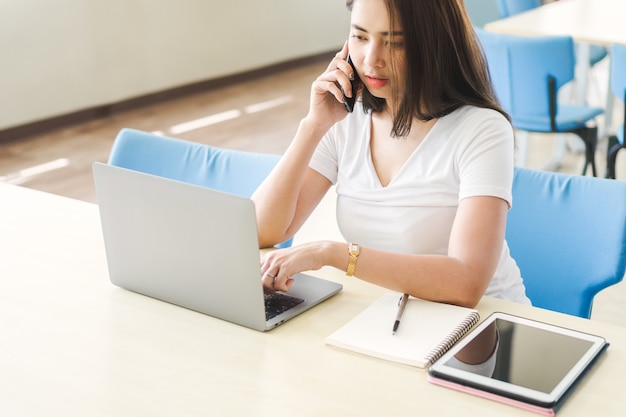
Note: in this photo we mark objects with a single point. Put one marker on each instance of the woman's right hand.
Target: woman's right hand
(327, 92)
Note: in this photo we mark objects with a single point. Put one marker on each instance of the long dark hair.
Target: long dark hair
(445, 66)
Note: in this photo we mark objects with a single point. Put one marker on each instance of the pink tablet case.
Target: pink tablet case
(491, 396)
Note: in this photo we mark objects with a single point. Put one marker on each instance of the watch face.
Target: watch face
(354, 248)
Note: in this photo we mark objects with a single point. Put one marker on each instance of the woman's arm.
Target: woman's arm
(292, 190)
(460, 277)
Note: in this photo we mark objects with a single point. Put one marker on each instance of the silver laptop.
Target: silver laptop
(194, 247)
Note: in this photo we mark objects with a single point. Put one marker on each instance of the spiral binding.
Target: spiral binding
(453, 337)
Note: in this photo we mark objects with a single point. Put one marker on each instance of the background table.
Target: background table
(598, 22)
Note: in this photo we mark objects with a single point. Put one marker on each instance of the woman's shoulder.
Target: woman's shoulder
(359, 113)
(468, 116)
(357, 121)
(472, 112)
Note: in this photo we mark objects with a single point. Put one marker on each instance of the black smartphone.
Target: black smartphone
(349, 101)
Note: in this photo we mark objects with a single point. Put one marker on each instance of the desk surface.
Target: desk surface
(72, 344)
(593, 21)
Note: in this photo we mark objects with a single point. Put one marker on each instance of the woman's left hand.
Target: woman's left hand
(279, 266)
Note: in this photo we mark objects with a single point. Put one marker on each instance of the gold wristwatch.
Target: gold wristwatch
(353, 251)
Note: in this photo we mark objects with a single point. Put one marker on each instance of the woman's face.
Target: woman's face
(373, 48)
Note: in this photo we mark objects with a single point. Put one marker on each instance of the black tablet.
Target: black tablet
(521, 362)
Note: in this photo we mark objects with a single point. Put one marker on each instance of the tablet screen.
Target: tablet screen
(520, 358)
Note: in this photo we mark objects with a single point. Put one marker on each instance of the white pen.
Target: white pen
(401, 307)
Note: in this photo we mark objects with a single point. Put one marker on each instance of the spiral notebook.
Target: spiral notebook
(427, 330)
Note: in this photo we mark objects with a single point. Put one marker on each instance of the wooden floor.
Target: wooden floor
(258, 115)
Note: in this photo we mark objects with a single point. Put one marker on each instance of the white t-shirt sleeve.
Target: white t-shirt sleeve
(485, 160)
(325, 158)
(345, 147)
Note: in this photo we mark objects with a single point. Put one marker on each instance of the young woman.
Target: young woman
(423, 166)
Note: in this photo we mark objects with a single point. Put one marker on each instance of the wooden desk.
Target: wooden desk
(72, 344)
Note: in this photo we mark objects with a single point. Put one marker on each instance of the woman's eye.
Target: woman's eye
(395, 44)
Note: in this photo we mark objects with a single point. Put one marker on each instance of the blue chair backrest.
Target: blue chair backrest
(513, 7)
(232, 171)
(521, 66)
(567, 234)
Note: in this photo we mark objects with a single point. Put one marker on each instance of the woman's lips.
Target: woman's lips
(375, 82)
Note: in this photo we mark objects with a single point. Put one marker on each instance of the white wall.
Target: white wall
(61, 56)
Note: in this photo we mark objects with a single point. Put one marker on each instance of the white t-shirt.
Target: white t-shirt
(466, 153)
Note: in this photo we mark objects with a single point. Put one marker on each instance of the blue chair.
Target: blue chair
(567, 234)
(527, 73)
(512, 7)
(618, 88)
(231, 171)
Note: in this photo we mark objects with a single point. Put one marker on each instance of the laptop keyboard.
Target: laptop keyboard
(276, 303)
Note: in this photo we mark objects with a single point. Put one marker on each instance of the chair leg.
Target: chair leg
(521, 154)
(611, 156)
(589, 135)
